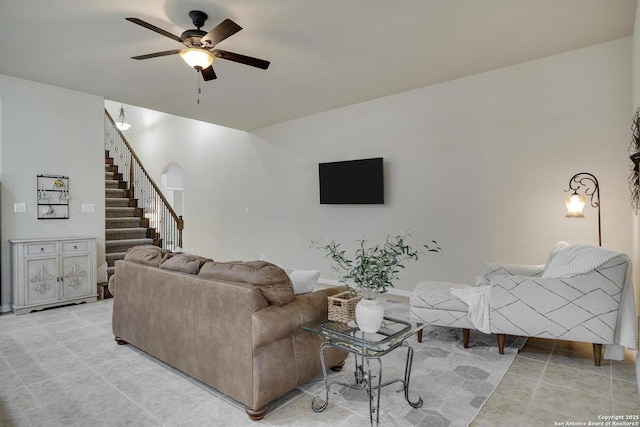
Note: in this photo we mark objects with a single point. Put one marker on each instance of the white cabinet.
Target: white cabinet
(51, 272)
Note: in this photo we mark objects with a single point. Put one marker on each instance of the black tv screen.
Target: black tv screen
(352, 182)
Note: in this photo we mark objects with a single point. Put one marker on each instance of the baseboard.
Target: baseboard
(5, 308)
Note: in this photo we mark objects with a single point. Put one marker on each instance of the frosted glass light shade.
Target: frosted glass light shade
(123, 125)
(121, 121)
(197, 58)
(575, 204)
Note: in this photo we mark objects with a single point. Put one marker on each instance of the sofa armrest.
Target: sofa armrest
(112, 284)
(274, 323)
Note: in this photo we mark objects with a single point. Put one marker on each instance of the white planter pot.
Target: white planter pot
(369, 315)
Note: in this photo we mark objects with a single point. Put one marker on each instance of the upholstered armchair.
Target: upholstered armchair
(582, 293)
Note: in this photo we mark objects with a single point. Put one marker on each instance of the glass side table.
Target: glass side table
(367, 347)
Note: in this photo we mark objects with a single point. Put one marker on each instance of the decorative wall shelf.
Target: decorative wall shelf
(53, 197)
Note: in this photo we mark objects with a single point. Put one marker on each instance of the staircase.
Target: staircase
(126, 226)
(137, 213)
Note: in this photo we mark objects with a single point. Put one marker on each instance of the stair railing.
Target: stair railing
(155, 207)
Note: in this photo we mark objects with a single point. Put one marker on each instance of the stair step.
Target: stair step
(114, 192)
(125, 233)
(116, 202)
(120, 212)
(111, 183)
(112, 246)
(133, 222)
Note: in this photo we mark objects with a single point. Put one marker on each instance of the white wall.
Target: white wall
(49, 130)
(479, 164)
(635, 103)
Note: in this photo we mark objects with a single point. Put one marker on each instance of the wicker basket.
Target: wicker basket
(342, 306)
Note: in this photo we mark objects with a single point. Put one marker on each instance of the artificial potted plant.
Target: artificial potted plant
(372, 270)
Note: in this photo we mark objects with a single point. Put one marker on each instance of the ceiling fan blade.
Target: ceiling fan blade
(153, 28)
(243, 59)
(208, 73)
(157, 54)
(225, 29)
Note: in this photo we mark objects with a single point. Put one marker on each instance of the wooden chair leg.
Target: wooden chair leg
(597, 354)
(501, 343)
(465, 337)
(420, 333)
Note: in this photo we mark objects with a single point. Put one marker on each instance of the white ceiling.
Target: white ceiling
(324, 54)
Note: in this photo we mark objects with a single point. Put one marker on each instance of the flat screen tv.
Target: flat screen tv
(355, 182)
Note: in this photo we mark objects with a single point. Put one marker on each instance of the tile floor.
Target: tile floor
(553, 382)
(61, 367)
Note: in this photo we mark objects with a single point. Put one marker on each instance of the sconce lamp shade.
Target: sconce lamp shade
(197, 58)
(575, 204)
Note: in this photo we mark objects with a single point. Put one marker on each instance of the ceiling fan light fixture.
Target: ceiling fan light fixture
(197, 58)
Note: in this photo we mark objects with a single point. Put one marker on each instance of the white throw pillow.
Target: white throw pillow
(303, 281)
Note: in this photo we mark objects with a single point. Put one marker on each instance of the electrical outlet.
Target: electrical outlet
(20, 207)
(88, 207)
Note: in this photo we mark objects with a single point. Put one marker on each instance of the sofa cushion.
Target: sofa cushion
(184, 263)
(147, 255)
(435, 295)
(273, 281)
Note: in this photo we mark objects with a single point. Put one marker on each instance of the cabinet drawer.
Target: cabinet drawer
(41, 248)
(76, 246)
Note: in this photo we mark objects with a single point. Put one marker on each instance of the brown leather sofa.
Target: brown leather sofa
(235, 326)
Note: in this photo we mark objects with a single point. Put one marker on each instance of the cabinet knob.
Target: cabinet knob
(75, 246)
(41, 249)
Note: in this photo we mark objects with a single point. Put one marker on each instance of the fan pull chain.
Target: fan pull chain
(199, 90)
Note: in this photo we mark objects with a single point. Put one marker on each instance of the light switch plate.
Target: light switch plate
(20, 207)
(88, 207)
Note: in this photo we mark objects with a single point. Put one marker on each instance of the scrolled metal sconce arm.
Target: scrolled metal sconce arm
(584, 179)
(591, 190)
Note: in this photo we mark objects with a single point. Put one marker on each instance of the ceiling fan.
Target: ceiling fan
(199, 50)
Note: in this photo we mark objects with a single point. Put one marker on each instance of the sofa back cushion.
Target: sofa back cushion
(184, 263)
(147, 255)
(273, 281)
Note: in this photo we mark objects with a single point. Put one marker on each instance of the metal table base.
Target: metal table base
(365, 379)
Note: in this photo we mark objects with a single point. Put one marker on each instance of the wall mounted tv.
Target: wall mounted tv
(358, 182)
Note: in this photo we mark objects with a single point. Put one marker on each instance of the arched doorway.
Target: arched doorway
(172, 186)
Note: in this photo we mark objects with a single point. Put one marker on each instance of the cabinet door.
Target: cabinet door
(42, 277)
(75, 276)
